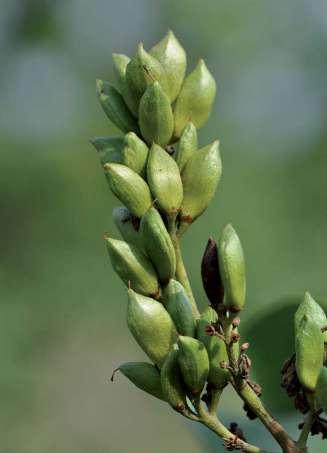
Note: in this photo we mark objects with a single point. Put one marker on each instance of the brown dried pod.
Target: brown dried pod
(211, 278)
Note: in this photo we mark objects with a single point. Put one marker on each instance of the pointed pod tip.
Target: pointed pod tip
(106, 237)
(214, 146)
(228, 230)
(114, 374)
(170, 36)
(130, 290)
(156, 86)
(155, 147)
(190, 125)
(204, 70)
(229, 226)
(201, 65)
(129, 135)
(112, 243)
(99, 85)
(140, 49)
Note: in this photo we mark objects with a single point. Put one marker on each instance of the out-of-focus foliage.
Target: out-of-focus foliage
(62, 310)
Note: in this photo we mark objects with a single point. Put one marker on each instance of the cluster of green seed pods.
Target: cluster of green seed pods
(164, 180)
(184, 357)
(159, 110)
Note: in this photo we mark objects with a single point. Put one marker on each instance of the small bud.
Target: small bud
(164, 180)
(195, 100)
(172, 382)
(172, 57)
(179, 307)
(115, 108)
(311, 309)
(200, 178)
(210, 273)
(133, 267)
(120, 64)
(156, 116)
(232, 269)
(236, 322)
(245, 347)
(187, 145)
(129, 188)
(135, 153)
(151, 326)
(109, 149)
(145, 376)
(142, 71)
(235, 336)
(309, 350)
(322, 388)
(216, 348)
(194, 363)
(158, 245)
(127, 225)
(235, 429)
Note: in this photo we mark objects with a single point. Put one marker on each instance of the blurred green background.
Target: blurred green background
(62, 312)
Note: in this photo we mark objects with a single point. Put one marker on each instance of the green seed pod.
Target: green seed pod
(127, 225)
(145, 376)
(322, 389)
(309, 350)
(142, 71)
(195, 100)
(129, 188)
(109, 149)
(135, 153)
(164, 180)
(156, 116)
(232, 269)
(120, 64)
(180, 308)
(216, 348)
(151, 326)
(133, 267)
(172, 382)
(187, 144)
(172, 57)
(311, 309)
(194, 363)
(158, 245)
(115, 108)
(200, 178)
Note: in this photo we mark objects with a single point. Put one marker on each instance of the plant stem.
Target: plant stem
(302, 441)
(215, 397)
(181, 274)
(274, 427)
(248, 395)
(309, 419)
(212, 422)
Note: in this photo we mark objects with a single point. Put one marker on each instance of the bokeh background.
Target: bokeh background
(62, 310)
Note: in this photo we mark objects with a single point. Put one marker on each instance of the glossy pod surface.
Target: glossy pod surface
(145, 376)
(151, 326)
